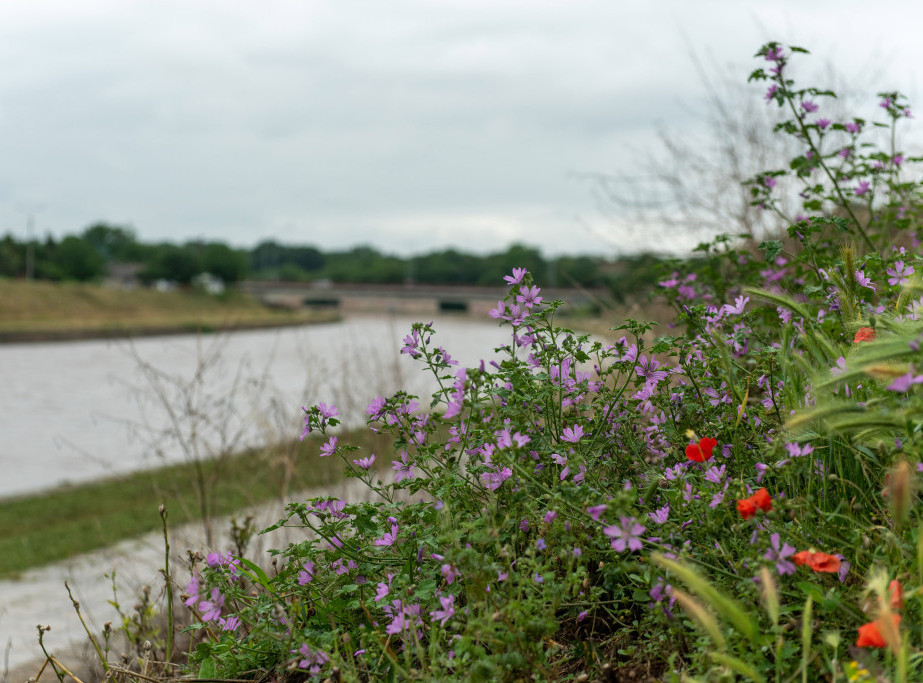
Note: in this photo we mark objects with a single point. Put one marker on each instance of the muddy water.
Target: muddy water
(77, 411)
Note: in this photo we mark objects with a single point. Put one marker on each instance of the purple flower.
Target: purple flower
(900, 273)
(852, 127)
(595, 511)
(327, 412)
(660, 515)
(373, 410)
(769, 182)
(572, 435)
(312, 660)
(529, 297)
(229, 624)
(549, 516)
(524, 525)
(493, 479)
(540, 544)
(844, 567)
(715, 474)
(447, 611)
(450, 573)
(307, 576)
(329, 447)
(885, 103)
(411, 342)
(402, 468)
(388, 538)
(843, 152)
(862, 188)
(516, 277)
(864, 281)
(808, 106)
(211, 609)
(625, 535)
(774, 54)
(382, 592)
(738, 307)
(193, 589)
(771, 92)
(583, 615)
(796, 450)
(365, 463)
(903, 383)
(823, 123)
(498, 312)
(760, 471)
(779, 555)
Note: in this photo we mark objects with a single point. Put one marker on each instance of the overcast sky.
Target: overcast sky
(408, 124)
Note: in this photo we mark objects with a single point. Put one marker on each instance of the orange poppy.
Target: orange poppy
(864, 334)
(702, 451)
(819, 562)
(870, 633)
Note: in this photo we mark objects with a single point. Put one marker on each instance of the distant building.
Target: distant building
(162, 285)
(124, 276)
(211, 284)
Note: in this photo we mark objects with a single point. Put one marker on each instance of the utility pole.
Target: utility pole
(30, 209)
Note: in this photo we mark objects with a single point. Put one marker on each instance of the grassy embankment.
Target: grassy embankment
(64, 522)
(32, 311)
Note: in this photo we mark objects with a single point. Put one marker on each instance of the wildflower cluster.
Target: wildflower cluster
(557, 500)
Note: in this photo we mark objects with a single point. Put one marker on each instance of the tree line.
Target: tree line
(90, 255)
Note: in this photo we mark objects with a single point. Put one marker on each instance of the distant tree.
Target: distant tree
(112, 242)
(220, 260)
(447, 267)
(517, 256)
(77, 259)
(567, 271)
(171, 262)
(269, 256)
(365, 264)
(12, 257)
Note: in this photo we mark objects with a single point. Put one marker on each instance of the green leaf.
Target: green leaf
(208, 668)
(737, 666)
(257, 575)
(771, 248)
(729, 608)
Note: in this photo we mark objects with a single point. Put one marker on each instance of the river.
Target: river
(77, 411)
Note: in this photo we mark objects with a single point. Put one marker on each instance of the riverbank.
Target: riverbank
(61, 523)
(50, 311)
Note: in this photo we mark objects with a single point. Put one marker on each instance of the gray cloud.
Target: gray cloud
(410, 125)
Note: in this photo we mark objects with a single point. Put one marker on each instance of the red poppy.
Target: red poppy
(864, 334)
(702, 451)
(897, 594)
(870, 633)
(746, 508)
(762, 500)
(818, 561)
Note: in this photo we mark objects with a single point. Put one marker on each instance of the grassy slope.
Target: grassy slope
(57, 524)
(46, 306)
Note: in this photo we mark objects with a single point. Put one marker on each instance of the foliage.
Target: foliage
(735, 498)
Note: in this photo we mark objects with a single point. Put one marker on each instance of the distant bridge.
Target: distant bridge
(407, 298)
